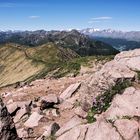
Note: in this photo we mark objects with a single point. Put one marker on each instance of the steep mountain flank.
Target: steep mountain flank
(19, 63)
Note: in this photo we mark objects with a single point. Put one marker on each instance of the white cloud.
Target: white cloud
(99, 19)
(34, 17)
(102, 18)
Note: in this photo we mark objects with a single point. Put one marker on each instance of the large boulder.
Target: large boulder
(33, 120)
(127, 104)
(15, 106)
(76, 133)
(50, 130)
(70, 91)
(69, 125)
(130, 59)
(7, 127)
(100, 130)
(128, 129)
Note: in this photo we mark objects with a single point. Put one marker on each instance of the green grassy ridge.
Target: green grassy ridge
(15, 66)
(20, 63)
(25, 64)
(73, 66)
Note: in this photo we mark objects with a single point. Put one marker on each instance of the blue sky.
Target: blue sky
(69, 14)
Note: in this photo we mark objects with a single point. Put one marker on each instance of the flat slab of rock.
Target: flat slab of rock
(128, 129)
(15, 105)
(127, 104)
(102, 130)
(77, 133)
(33, 120)
(12, 107)
(75, 121)
(70, 91)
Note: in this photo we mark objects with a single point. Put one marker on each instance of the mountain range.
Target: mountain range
(58, 85)
(25, 56)
(109, 33)
(120, 40)
(78, 42)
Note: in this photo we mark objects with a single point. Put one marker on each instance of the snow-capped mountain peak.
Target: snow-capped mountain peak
(109, 33)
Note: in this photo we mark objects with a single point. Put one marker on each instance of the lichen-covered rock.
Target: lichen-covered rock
(7, 127)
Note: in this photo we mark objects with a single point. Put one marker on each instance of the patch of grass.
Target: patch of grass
(127, 117)
(86, 61)
(103, 102)
(67, 68)
(73, 66)
(90, 117)
(138, 75)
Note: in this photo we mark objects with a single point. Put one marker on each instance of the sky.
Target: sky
(69, 14)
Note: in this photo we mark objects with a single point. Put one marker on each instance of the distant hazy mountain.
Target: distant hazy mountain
(76, 41)
(131, 36)
(118, 39)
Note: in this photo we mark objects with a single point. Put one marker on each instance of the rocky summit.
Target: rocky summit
(100, 105)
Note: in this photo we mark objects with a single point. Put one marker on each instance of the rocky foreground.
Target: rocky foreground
(104, 105)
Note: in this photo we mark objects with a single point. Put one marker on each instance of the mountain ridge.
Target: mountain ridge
(78, 42)
(109, 33)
